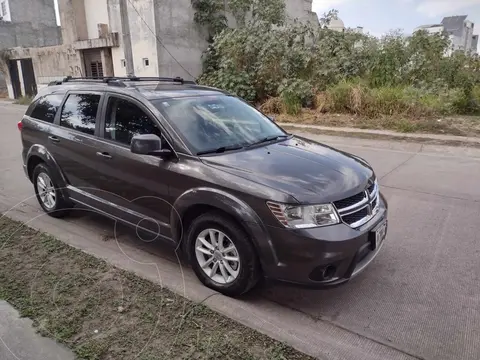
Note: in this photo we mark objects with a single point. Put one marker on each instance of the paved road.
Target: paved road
(420, 299)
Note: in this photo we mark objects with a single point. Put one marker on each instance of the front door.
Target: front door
(138, 184)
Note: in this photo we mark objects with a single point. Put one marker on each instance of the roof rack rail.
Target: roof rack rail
(118, 81)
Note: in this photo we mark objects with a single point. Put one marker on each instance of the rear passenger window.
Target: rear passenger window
(124, 120)
(46, 107)
(80, 112)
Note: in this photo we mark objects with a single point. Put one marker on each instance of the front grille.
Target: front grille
(371, 188)
(355, 217)
(352, 200)
(360, 208)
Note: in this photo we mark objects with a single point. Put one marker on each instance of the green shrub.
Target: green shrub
(295, 95)
(353, 73)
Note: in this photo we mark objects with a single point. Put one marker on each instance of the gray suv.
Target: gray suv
(208, 173)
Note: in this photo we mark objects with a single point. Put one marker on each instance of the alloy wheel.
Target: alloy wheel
(46, 190)
(217, 256)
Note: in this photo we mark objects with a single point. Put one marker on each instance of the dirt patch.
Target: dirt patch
(102, 312)
(455, 125)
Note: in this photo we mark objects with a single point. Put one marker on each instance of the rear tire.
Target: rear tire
(222, 255)
(48, 194)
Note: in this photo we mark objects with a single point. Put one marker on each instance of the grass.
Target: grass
(102, 312)
(24, 100)
(401, 109)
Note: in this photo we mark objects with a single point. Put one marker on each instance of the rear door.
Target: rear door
(74, 143)
(138, 185)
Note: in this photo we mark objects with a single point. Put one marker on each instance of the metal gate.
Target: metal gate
(14, 78)
(28, 73)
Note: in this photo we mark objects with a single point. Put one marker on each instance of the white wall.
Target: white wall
(144, 41)
(299, 9)
(95, 13)
(7, 16)
(115, 25)
(430, 30)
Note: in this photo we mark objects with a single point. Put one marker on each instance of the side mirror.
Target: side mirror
(149, 144)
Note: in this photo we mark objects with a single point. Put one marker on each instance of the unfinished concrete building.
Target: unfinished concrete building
(26, 23)
(158, 38)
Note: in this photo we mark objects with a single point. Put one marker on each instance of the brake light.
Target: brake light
(20, 125)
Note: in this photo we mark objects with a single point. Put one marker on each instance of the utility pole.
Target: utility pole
(127, 40)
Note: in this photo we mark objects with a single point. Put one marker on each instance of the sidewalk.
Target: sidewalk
(19, 341)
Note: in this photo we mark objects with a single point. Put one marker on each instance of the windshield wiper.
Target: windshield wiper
(269, 138)
(221, 149)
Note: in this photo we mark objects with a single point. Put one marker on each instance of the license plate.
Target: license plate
(380, 234)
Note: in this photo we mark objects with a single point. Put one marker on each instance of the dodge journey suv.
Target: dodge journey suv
(202, 169)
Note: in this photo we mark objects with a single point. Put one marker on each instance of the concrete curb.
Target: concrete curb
(342, 131)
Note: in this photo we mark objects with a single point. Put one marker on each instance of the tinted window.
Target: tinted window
(80, 112)
(124, 120)
(46, 107)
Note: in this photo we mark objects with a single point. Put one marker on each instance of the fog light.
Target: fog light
(323, 273)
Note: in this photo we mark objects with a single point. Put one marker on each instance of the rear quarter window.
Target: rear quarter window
(45, 108)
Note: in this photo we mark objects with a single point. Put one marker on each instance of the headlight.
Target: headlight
(302, 217)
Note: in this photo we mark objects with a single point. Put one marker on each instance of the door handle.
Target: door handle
(54, 139)
(104, 155)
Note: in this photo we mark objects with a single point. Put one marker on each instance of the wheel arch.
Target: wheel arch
(39, 154)
(195, 202)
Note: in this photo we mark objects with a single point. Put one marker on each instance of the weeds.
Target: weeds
(24, 100)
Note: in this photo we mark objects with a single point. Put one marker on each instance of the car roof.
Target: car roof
(149, 89)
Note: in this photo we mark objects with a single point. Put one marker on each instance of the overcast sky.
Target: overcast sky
(379, 16)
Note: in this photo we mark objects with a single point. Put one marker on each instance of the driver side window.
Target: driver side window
(124, 120)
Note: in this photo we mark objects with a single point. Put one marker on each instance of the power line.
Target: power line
(158, 39)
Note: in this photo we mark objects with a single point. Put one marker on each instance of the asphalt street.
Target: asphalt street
(419, 299)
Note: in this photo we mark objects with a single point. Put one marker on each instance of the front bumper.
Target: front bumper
(326, 256)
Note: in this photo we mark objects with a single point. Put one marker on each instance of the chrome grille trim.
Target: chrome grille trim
(371, 197)
(354, 206)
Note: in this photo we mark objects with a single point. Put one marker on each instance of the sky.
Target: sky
(379, 16)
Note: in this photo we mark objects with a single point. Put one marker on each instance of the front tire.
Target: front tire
(48, 194)
(222, 255)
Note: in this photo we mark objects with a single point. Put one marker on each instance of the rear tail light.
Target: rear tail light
(20, 125)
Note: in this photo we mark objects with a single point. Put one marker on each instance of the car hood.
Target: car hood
(309, 171)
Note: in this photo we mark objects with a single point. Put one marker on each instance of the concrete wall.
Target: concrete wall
(96, 12)
(475, 44)
(37, 12)
(32, 24)
(115, 25)
(172, 22)
(73, 20)
(142, 31)
(301, 10)
(183, 38)
(52, 63)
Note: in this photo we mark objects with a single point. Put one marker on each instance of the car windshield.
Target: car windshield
(210, 123)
